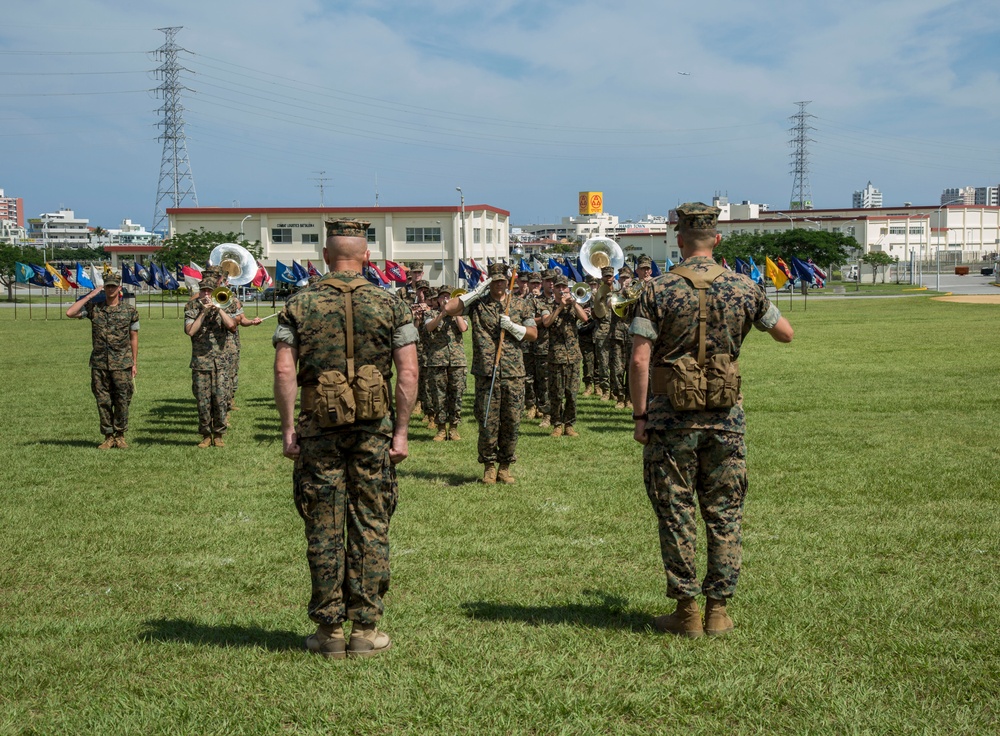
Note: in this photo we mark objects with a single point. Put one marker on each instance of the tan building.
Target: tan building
(432, 235)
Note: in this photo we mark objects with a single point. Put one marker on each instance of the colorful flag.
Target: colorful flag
(57, 278)
(475, 265)
(283, 273)
(784, 268)
(300, 273)
(264, 276)
(573, 273)
(471, 275)
(191, 275)
(168, 280)
(394, 272)
(742, 267)
(523, 265)
(816, 269)
(668, 264)
(802, 271)
(70, 276)
(726, 265)
(97, 276)
(755, 272)
(23, 272)
(312, 269)
(141, 274)
(82, 279)
(374, 276)
(777, 276)
(42, 277)
(655, 270)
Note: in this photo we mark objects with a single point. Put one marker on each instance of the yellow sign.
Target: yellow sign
(591, 203)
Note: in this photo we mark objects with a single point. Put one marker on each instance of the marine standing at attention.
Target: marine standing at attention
(485, 308)
(564, 356)
(688, 329)
(339, 341)
(114, 332)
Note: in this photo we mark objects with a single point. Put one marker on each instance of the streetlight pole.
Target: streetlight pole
(462, 195)
(242, 236)
(937, 285)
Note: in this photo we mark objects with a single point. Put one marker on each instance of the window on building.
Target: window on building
(310, 238)
(423, 235)
(897, 230)
(371, 235)
(477, 234)
(281, 235)
(489, 235)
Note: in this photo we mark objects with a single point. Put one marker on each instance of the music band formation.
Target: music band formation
(666, 348)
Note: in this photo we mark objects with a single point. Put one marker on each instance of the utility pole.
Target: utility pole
(176, 180)
(321, 179)
(798, 140)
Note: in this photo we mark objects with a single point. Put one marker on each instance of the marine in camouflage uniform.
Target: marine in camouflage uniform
(212, 332)
(345, 484)
(602, 328)
(564, 357)
(444, 357)
(114, 330)
(418, 312)
(616, 349)
(689, 453)
(484, 308)
(529, 352)
(586, 334)
(543, 302)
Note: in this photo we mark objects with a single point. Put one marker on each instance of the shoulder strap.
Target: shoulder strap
(701, 281)
(348, 287)
(345, 286)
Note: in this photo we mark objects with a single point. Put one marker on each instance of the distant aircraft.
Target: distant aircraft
(685, 74)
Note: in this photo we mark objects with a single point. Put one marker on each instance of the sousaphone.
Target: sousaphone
(235, 261)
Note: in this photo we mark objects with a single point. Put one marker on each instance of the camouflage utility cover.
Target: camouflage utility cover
(109, 330)
(314, 322)
(667, 314)
(484, 323)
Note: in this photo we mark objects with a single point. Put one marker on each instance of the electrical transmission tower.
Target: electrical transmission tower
(176, 181)
(322, 180)
(801, 192)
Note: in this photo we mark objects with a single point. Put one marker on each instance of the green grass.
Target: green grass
(162, 589)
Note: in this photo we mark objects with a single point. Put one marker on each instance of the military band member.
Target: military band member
(615, 347)
(484, 308)
(601, 315)
(235, 309)
(211, 330)
(544, 301)
(696, 447)
(586, 333)
(345, 479)
(114, 358)
(444, 356)
(418, 311)
(530, 350)
(564, 357)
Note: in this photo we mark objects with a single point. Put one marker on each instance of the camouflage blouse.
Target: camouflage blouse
(212, 346)
(484, 324)
(667, 314)
(564, 341)
(444, 346)
(110, 329)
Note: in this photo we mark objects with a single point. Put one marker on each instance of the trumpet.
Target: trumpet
(221, 297)
(581, 292)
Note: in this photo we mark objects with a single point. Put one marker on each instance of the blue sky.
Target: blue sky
(522, 104)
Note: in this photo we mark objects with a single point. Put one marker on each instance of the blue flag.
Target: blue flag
(169, 282)
(553, 263)
(373, 277)
(755, 273)
(301, 274)
(573, 273)
(523, 265)
(654, 270)
(742, 267)
(802, 271)
(23, 272)
(42, 277)
(668, 264)
(283, 273)
(82, 278)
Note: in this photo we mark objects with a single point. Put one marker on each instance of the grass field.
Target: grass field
(162, 589)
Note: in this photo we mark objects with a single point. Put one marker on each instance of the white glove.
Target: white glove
(518, 331)
(470, 297)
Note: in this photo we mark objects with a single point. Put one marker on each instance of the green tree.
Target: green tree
(878, 259)
(11, 254)
(197, 245)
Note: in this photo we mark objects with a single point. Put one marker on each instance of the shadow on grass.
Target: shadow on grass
(192, 632)
(448, 479)
(63, 443)
(609, 612)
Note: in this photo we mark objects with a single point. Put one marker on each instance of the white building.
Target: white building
(130, 233)
(868, 198)
(579, 228)
(436, 236)
(59, 229)
(959, 195)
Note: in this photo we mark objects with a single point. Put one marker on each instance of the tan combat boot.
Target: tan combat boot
(558, 431)
(418, 410)
(120, 442)
(489, 474)
(504, 475)
(589, 390)
(328, 641)
(442, 434)
(453, 432)
(684, 621)
(109, 442)
(619, 404)
(604, 395)
(367, 641)
(570, 432)
(545, 423)
(431, 425)
(531, 413)
(206, 441)
(717, 621)
(217, 441)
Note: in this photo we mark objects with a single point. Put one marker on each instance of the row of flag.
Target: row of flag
(136, 274)
(779, 272)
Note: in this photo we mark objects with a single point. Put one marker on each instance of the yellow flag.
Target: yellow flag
(60, 282)
(774, 273)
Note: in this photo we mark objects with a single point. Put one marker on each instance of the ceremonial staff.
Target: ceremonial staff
(496, 362)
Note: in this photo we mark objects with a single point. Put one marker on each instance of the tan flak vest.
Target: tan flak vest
(699, 385)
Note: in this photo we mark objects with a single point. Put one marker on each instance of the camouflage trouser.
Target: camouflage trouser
(211, 390)
(345, 486)
(529, 379)
(113, 391)
(234, 377)
(564, 385)
(446, 386)
(676, 465)
(498, 440)
(616, 369)
(601, 377)
(587, 348)
(541, 382)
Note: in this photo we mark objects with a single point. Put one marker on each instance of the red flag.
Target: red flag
(725, 265)
(395, 272)
(382, 276)
(784, 267)
(476, 265)
(70, 276)
(312, 269)
(262, 278)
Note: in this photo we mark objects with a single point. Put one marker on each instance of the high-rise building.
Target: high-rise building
(867, 198)
(989, 196)
(959, 195)
(12, 209)
(62, 228)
